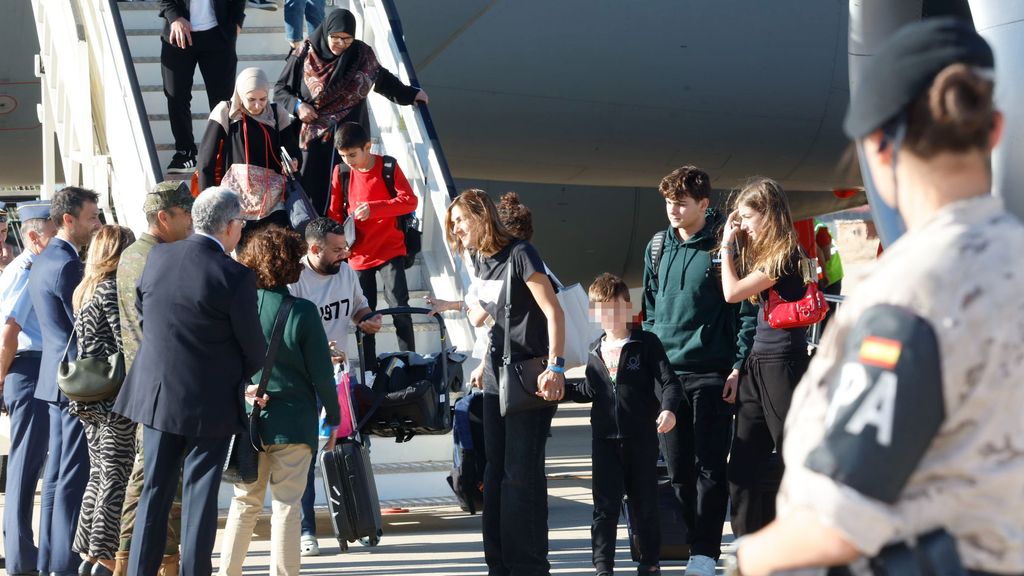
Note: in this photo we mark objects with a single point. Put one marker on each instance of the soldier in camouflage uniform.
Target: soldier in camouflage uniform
(904, 445)
(168, 213)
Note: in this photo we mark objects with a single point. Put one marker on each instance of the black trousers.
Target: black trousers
(766, 389)
(627, 466)
(215, 55)
(203, 460)
(318, 162)
(515, 517)
(396, 293)
(696, 451)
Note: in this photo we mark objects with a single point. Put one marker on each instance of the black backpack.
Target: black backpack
(409, 224)
(657, 243)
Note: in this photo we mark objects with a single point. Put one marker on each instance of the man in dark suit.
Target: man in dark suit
(201, 340)
(56, 273)
(203, 33)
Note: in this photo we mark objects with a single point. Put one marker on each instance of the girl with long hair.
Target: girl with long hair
(515, 526)
(110, 436)
(759, 254)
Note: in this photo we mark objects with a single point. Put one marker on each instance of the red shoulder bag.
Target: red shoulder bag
(810, 309)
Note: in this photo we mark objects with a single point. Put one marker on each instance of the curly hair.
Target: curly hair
(516, 217)
(275, 254)
(608, 287)
(686, 181)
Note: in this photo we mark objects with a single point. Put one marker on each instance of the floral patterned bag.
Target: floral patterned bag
(259, 189)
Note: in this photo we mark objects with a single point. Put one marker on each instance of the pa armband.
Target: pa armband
(886, 404)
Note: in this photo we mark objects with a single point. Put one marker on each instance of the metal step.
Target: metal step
(145, 15)
(148, 67)
(252, 40)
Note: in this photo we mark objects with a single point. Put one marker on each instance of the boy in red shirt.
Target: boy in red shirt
(379, 244)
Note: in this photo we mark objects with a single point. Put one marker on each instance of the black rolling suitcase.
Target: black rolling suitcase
(351, 491)
(674, 533)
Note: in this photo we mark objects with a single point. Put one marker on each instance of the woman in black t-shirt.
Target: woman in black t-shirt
(760, 229)
(515, 527)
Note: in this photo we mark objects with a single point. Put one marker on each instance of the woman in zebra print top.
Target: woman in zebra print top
(110, 436)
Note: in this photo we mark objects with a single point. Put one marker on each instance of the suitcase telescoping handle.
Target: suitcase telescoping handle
(406, 310)
(391, 312)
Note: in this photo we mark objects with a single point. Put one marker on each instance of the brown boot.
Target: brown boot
(121, 563)
(169, 565)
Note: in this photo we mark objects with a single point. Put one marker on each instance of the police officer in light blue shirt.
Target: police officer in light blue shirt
(21, 344)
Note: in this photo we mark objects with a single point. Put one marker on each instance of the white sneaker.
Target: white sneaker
(310, 547)
(700, 566)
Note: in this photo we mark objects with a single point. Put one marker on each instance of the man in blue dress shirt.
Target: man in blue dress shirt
(21, 345)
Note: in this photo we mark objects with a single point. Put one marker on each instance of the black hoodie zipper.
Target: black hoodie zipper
(615, 385)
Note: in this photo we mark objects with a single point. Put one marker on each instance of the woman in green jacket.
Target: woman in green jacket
(302, 372)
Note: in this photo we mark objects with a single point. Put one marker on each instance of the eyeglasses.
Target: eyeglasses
(241, 221)
(344, 39)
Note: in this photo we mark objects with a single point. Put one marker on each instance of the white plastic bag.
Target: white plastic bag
(580, 331)
(5, 434)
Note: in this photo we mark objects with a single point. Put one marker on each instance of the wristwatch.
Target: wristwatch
(556, 361)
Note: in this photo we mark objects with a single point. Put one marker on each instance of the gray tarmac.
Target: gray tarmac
(446, 541)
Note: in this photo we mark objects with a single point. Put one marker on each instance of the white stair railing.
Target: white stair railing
(91, 101)
(407, 133)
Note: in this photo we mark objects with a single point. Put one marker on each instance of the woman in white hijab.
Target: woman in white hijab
(241, 149)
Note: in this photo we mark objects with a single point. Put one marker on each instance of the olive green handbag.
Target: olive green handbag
(90, 379)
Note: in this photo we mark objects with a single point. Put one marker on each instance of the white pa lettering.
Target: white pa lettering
(878, 408)
(853, 380)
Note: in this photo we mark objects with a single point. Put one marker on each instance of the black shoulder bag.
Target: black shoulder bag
(517, 382)
(242, 463)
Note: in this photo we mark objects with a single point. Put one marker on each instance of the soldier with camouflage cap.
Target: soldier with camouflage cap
(168, 209)
(904, 447)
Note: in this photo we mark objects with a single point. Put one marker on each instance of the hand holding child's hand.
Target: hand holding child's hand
(666, 421)
(476, 377)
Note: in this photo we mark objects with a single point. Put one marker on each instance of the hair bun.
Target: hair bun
(961, 98)
(509, 200)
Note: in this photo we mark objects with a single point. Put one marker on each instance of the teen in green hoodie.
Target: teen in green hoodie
(707, 341)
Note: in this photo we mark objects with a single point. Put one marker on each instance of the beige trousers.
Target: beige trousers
(285, 467)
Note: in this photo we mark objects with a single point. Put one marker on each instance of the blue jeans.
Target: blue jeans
(515, 517)
(308, 499)
(309, 496)
(294, 10)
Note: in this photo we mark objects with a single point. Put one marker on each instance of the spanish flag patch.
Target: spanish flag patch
(881, 352)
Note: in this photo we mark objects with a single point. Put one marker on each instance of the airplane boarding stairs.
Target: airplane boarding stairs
(105, 103)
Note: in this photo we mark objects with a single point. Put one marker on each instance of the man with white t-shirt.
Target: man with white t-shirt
(330, 283)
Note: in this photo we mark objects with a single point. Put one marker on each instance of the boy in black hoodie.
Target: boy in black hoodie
(627, 374)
